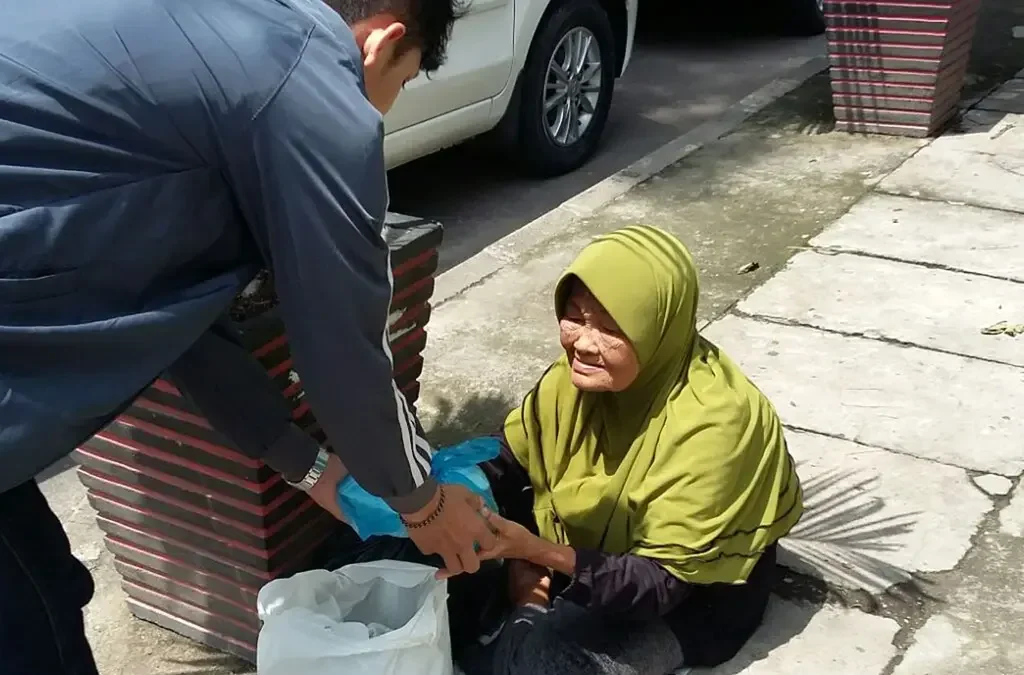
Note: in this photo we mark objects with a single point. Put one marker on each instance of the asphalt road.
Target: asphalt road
(676, 81)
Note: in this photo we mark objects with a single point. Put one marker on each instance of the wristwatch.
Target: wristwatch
(315, 472)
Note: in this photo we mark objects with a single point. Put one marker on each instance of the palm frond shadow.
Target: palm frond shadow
(844, 534)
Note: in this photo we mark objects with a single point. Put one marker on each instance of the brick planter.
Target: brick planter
(898, 66)
(197, 528)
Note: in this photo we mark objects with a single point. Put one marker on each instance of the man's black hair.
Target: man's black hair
(429, 23)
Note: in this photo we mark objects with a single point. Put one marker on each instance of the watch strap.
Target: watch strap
(312, 476)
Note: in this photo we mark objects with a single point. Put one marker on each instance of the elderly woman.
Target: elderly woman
(643, 484)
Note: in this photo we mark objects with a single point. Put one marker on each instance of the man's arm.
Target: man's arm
(314, 190)
(233, 391)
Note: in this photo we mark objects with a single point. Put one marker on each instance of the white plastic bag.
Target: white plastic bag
(380, 618)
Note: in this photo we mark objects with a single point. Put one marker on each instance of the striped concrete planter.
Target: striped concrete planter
(197, 528)
(898, 66)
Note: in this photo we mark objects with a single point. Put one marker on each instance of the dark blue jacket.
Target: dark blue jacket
(154, 154)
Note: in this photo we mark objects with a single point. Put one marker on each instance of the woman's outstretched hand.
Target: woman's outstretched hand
(515, 542)
(508, 540)
(512, 540)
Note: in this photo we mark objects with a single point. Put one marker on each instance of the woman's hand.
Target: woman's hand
(513, 540)
(528, 584)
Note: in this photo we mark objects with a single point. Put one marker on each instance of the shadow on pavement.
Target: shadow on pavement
(58, 467)
(448, 423)
(214, 664)
(841, 536)
(844, 531)
(782, 623)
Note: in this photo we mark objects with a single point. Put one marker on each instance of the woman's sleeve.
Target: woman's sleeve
(510, 483)
(626, 585)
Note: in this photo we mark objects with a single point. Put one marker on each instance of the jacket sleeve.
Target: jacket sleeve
(313, 188)
(626, 585)
(232, 390)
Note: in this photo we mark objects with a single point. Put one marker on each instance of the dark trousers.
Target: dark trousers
(43, 589)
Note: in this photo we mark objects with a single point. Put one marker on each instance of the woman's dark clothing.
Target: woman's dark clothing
(711, 622)
(566, 639)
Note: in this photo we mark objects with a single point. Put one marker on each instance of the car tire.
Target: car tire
(542, 147)
(801, 17)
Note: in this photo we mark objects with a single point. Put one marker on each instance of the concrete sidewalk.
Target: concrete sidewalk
(906, 419)
(884, 259)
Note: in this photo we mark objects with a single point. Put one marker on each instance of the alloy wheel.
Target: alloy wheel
(572, 87)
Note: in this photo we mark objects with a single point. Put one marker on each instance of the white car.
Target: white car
(538, 73)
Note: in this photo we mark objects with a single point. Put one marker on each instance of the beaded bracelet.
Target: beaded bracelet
(429, 519)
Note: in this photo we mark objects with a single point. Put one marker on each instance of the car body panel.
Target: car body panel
(479, 67)
(632, 7)
(470, 94)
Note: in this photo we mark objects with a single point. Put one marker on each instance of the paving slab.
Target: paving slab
(945, 646)
(876, 518)
(973, 120)
(952, 175)
(997, 486)
(1007, 98)
(923, 403)
(797, 638)
(929, 307)
(982, 618)
(967, 238)
(988, 132)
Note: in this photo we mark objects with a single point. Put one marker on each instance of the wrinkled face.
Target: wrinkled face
(387, 64)
(601, 356)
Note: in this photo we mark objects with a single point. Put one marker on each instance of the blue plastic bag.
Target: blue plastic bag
(370, 515)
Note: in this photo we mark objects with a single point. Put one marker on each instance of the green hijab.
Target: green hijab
(688, 466)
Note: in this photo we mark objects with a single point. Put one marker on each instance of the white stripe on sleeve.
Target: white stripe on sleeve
(417, 450)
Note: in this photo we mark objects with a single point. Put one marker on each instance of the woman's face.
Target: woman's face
(601, 357)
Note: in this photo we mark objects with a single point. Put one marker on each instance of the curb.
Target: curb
(508, 249)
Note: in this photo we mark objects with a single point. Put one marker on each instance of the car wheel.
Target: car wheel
(802, 17)
(566, 88)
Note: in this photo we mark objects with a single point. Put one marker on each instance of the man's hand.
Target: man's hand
(325, 492)
(454, 531)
